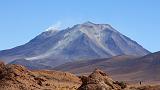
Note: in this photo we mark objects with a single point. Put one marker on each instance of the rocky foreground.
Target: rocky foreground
(17, 77)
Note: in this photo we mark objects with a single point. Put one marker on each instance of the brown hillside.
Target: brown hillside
(17, 77)
(122, 68)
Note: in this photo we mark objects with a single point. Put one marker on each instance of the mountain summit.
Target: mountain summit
(80, 42)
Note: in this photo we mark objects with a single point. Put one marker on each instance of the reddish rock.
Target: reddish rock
(17, 77)
(98, 80)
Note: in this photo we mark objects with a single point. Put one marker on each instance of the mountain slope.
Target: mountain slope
(106, 64)
(129, 68)
(30, 64)
(80, 42)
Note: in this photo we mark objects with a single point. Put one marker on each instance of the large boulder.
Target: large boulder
(98, 80)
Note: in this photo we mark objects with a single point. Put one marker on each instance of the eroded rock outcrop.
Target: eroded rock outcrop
(99, 80)
(17, 77)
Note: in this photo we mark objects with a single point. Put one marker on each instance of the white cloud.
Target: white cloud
(55, 26)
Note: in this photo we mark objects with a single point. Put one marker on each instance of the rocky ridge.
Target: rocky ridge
(17, 77)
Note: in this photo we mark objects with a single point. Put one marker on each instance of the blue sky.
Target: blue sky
(22, 20)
